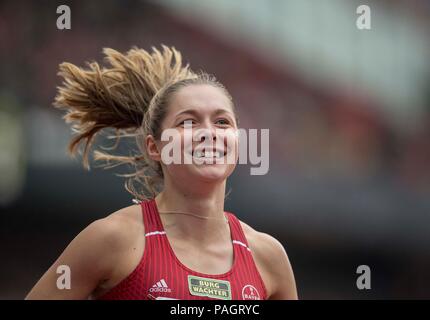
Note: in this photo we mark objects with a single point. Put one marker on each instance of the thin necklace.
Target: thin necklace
(195, 215)
(136, 201)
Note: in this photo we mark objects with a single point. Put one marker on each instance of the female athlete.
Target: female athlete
(176, 241)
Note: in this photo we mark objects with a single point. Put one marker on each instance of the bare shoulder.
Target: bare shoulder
(262, 242)
(273, 262)
(265, 246)
(94, 256)
(105, 239)
(119, 228)
(130, 216)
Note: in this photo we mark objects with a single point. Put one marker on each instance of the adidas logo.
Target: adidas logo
(160, 286)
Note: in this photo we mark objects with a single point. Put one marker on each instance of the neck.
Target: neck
(205, 201)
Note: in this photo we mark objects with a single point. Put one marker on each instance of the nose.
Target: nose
(206, 133)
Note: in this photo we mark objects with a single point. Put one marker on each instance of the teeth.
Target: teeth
(208, 154)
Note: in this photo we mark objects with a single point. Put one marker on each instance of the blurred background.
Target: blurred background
(348, 112)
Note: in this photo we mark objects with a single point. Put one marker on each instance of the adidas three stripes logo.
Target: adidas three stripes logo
(160, 286)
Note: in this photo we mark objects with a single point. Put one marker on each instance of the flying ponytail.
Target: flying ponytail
(129, 95)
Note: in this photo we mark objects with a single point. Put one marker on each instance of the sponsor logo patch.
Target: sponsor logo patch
(250, 293)
(208, 287)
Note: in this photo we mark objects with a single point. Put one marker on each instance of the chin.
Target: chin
(212, 173)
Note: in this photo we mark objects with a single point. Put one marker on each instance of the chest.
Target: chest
(210, 259)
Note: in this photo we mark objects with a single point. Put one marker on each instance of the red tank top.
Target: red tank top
(160, 275)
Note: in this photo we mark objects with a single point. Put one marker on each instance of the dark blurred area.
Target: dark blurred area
(348, 112)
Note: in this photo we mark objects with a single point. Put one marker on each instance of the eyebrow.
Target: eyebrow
(188, 111)
(195, 113)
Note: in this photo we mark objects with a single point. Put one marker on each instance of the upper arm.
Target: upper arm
(89, 257)
(283, 272)
(278, 266)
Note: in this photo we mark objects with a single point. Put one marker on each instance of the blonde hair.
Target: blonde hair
(131, 96)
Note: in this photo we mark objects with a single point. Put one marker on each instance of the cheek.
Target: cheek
(231, 141)
(186, 142)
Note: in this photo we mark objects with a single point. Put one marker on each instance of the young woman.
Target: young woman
(177, 242)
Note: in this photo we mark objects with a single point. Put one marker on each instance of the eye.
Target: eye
(223, 121)
(182, 122)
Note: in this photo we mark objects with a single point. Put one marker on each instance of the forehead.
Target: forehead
(199, 97)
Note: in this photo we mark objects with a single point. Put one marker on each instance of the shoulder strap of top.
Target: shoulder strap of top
(151, 219)
(237, 232)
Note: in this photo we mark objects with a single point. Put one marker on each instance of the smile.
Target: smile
(207, 154)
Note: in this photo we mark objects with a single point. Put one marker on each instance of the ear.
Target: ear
(152, 148)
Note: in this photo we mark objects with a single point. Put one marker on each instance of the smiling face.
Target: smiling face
(213, 145)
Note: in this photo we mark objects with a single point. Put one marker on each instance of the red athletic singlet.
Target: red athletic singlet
(160, 274)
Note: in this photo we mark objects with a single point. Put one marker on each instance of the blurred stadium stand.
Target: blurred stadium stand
(348, 113)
